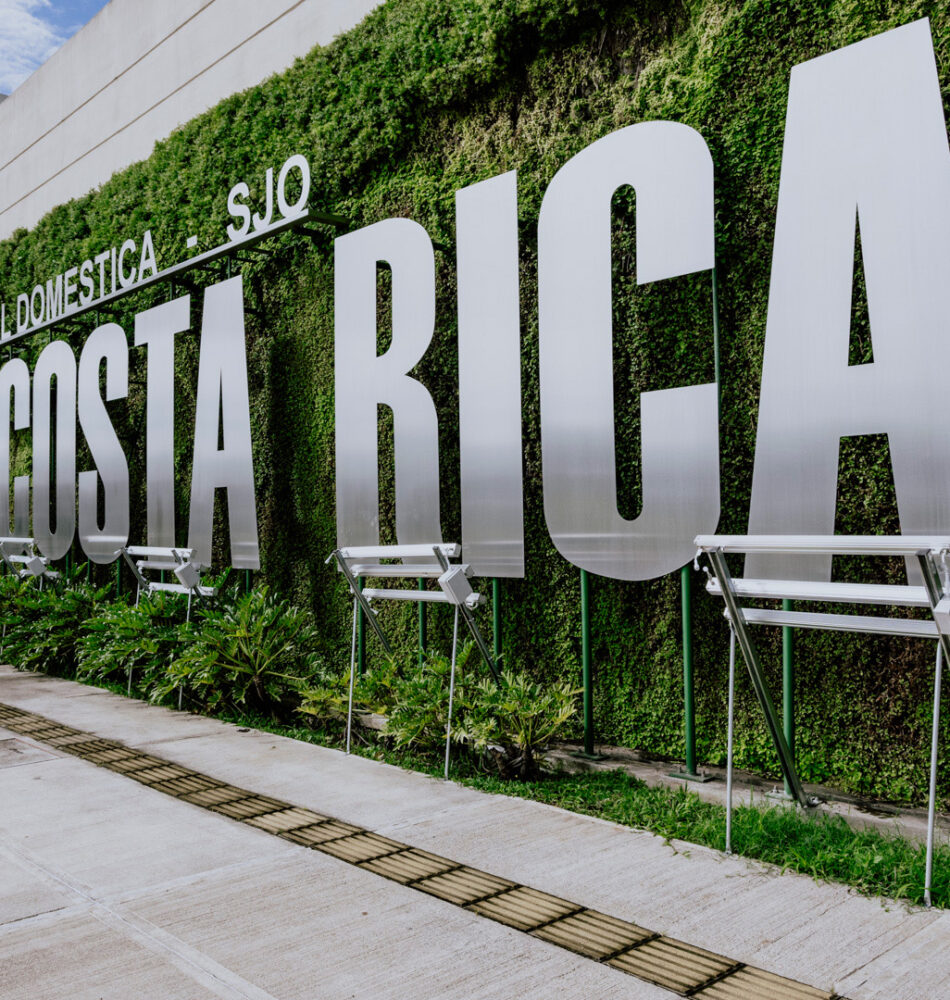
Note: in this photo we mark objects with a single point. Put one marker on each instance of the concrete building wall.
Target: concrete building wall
(137, 71)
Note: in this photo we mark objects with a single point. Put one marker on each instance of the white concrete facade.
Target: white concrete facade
(131, 76)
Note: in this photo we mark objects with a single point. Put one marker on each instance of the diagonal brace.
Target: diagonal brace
(751, 657)
(363, 603)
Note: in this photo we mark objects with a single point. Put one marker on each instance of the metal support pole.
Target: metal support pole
(496, 618)
(587, 673)
(689, 702)
(349, 708)
(422, 625)
(118, 578)
(361, 635)
(932, 799)
(729, 734)
(247, 581)
(448, 725)
(788, 686)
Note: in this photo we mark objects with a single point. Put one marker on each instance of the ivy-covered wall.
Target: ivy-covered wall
(428, 96)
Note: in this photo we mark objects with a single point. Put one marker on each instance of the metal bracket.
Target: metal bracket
(469, 620)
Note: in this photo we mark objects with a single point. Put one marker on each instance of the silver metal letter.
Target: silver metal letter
(55, 361)
(15, 394)
(107, 344)
(156, 329)
(671, 170)
(865, 140)
(365, 380)
(490, 441)
(222, 392)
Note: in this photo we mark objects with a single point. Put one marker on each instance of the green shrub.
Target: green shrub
(43, 628)
(257, 652)
(512, 722)
(506, 723)
(420, 711)
(137, 643)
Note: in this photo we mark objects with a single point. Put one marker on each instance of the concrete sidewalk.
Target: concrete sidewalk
(109, 889)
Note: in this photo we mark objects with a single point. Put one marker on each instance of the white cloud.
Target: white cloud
(27, 40)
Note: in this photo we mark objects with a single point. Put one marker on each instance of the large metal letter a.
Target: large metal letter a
(865, 142)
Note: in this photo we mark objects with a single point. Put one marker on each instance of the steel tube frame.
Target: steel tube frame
(751, 657)
(932, 792)
(689, 693)
(448, 724)
(349, 709)
(926, 555)
(788, 685)
(729, 735)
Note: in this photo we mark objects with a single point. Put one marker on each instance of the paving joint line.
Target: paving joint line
(20, 717)
(718, 978)
(627, 948)
(554, 920)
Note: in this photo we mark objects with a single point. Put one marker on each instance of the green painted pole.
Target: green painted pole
(496, 618)
(247, 581)
(118, 578)
(587, 673)
(689, 694)
(788, 685)
(361, 637)
(422, 625)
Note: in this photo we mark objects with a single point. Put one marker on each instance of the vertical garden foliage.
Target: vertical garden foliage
(428, 96)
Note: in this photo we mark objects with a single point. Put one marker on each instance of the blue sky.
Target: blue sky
(32, 30)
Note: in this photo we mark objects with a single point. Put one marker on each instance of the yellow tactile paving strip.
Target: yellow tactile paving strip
(675, 965)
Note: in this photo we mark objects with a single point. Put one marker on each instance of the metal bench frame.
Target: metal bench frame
(20, 557)
(932, 554)
(415, 562)
(145, 559)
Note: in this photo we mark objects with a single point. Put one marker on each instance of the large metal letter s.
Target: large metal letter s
(107, 344)
(671, 170)
(365, 379)
(865, 143)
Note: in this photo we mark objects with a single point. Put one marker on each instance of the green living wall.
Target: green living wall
(428, 96)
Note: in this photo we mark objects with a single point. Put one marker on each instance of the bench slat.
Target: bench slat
(421, 596)
(864, 545)
(394, 569)
(376, 552)
(842, 623)
(844, 593)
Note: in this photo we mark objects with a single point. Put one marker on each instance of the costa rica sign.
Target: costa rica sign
(865, 150)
